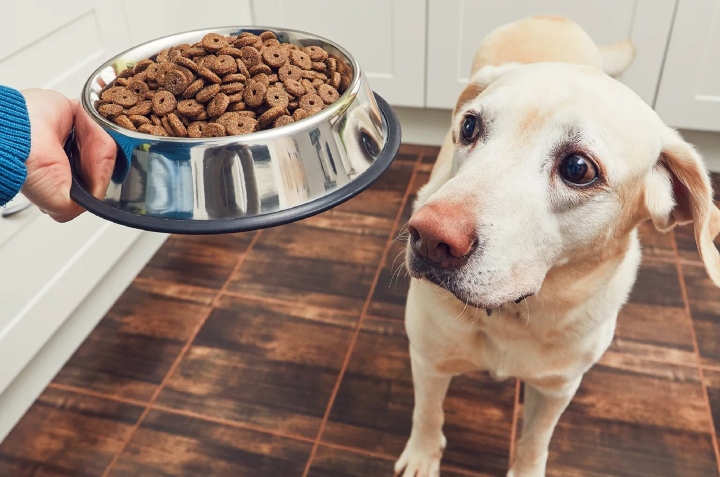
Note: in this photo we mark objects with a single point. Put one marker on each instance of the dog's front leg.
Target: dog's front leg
(543, 407)
(421, 457)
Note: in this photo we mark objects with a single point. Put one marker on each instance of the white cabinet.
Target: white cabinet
(387, 37)
(689, 95)
(147, 20)
(456, 27)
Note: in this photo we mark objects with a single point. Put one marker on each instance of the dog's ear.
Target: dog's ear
(679, 192)
(481, 80)
(617, 57)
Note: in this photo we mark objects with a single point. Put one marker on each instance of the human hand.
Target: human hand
(48, 182)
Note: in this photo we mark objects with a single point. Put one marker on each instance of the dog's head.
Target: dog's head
(553, 165)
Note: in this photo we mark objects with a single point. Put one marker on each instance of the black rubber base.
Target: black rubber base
(245, 224)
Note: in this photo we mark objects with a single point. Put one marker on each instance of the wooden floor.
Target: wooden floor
(283, 353)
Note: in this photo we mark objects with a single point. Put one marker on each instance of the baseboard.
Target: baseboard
(708, 144)
(32, 380)
(428, 127)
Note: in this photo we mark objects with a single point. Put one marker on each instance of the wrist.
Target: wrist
(14, 142)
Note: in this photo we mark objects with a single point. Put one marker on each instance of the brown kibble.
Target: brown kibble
(138, 87)
(311, 101)
(289, 71)
(202, 129)
(315, 53)
(207, 93)
(167, 127)
(254, 94)
(283, 121)
(208, 75)
(276, 97)
(142, 66)
(163, 103)
(294, 87)
(269, 116)
(223, 65)
(232, 88)
(328, 94)
(177, 125)
(138, 120)
(230, 51)
(120, 95)
(267, 35)
(218, 105)
(234, 78)
(110, 109)
(300, 114)
(275, 57)
(124, 121)
(190, 107)
(260, 69)
(187, 63)
(174, 81)
(300, 59)
(194, 88)
(213, 42)
(250, 56)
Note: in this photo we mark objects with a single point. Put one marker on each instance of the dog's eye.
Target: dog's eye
(578, 170)
(470, 128)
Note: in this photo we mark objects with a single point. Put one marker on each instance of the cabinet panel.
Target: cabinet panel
(456, 27)
(386, 37)
(149, 20)
(689, 94)
(59, 44)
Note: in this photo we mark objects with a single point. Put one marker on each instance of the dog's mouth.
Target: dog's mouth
(450, 280)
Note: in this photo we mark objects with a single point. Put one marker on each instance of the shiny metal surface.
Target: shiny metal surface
(186, 185)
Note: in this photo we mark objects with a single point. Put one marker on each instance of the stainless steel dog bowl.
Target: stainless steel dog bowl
(247, 182)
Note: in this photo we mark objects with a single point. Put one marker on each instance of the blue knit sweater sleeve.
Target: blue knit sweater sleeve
(14, 142)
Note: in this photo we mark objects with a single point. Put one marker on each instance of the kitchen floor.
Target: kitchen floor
(283, 353)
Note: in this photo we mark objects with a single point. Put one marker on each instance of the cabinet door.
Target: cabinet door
(456, 27)
(51, 44)
(386, 37)
(150, 20)
(689, 94)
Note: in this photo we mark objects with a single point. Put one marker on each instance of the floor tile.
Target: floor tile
(67, 435)
(704, 300)
(373, 407)
(311, 266)
(168, 445)
(194, 266)
(633, 417)
(269, 365)
(388, 299)
(655, 245)
(332, 462)
(657, 284)
(712, 384)
(373, 211)
(132, 348)
(654, 324)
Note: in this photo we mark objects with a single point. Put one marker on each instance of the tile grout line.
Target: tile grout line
(180, 357)
(358, 326)
(514, 430)
(276, 301)
(701, 375)
(96, 394)
(178, 412)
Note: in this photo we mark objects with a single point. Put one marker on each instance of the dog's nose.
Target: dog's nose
(443, 234)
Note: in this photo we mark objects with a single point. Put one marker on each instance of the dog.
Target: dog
(529, 220)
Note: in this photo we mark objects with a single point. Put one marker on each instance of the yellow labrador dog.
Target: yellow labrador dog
(530, 216)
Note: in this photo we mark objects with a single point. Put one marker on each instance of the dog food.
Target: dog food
(224, 86)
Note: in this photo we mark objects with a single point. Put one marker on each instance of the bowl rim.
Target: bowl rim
(253, 222)
(333, 110)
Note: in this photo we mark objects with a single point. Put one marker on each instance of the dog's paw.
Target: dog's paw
(421, 458)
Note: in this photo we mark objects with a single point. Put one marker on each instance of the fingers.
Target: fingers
(97, 152)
